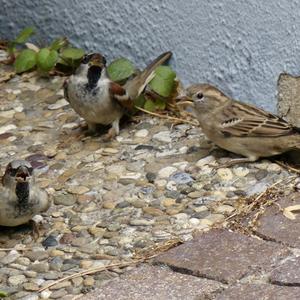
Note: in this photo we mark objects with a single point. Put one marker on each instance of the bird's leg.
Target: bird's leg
(113, 131)
(35, 229)
(235, 161)
(92, 127)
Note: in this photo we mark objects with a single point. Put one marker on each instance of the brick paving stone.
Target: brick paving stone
(288, 273)
(273, 225)
(223, 256)
(260, 292)
(154, 282)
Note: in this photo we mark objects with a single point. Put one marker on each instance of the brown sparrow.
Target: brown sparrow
(241, 128)
(20, 198)
(98, 99)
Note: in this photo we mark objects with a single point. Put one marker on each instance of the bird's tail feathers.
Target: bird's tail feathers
(143, 78)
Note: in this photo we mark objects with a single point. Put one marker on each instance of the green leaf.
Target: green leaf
(24, 35)
(120, 69)
(72, 53)
(139, 101)
(3, 294)
(46, 59)
(163, 83)
(149, 105)
(59, 43)
(25, 61)
(160, 104)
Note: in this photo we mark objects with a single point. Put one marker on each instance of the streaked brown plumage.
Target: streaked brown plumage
(239, 127)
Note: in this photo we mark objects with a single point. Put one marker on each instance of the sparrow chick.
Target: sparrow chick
(20, 198)
(241, 128)
(98, 99)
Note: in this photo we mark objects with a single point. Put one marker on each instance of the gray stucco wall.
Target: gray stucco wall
(240, 45)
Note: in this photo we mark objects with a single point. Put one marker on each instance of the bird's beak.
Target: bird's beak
(183, 99)
(23, 174)
(96, 60)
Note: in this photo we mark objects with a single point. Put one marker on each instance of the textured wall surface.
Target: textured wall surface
(241, 46)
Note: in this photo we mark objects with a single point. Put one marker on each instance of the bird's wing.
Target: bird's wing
(244, 120)
(119, 93)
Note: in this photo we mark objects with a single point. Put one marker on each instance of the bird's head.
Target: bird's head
(94, 59)
(17, 171)
(91, 69)
(204, 97)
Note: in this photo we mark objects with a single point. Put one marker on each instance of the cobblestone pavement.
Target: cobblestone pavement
(157, 181)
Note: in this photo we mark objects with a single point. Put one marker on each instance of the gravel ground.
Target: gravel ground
(156, 181)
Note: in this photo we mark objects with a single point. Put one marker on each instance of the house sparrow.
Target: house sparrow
(20, 198)
(241, 128)
(98, 99)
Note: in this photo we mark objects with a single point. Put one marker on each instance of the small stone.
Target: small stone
(17, 279)
(138, 203)
(195, 194)
(86, 264)
(40, 267)
(152, 211)
(30, 274)
(96, 231)
(208, 160)
(161, 183)
(71, 125)
(50, 241)
(31, 297)
(123, 204)
(10, 257)
(58, 294)
(23, 261)
(166, 172)
(141, 222)
(173, 211)
(151, 176)
(194, 221)
(240, 171)
(214, 218)
(61, 285)
(64, 199)
(59, 104)
(206, 222)
(46, 294)
(78, 189)
(56, 252)
(30, 286)
(261, 174)
(181, 178)
(225, 174)
(109, 204)
(141, 133)
(77, 281)
(129, 178)
(7, 128)
(168, 202)
(272, 167)
(89, 281)
(108, 151)
(163, 137)
(225, 209)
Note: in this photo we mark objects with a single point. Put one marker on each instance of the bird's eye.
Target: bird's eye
(199, 96)
(85, 59)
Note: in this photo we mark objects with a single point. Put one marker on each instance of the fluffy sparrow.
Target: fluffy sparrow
(20, 198)
(98, 99)
(241, 128)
